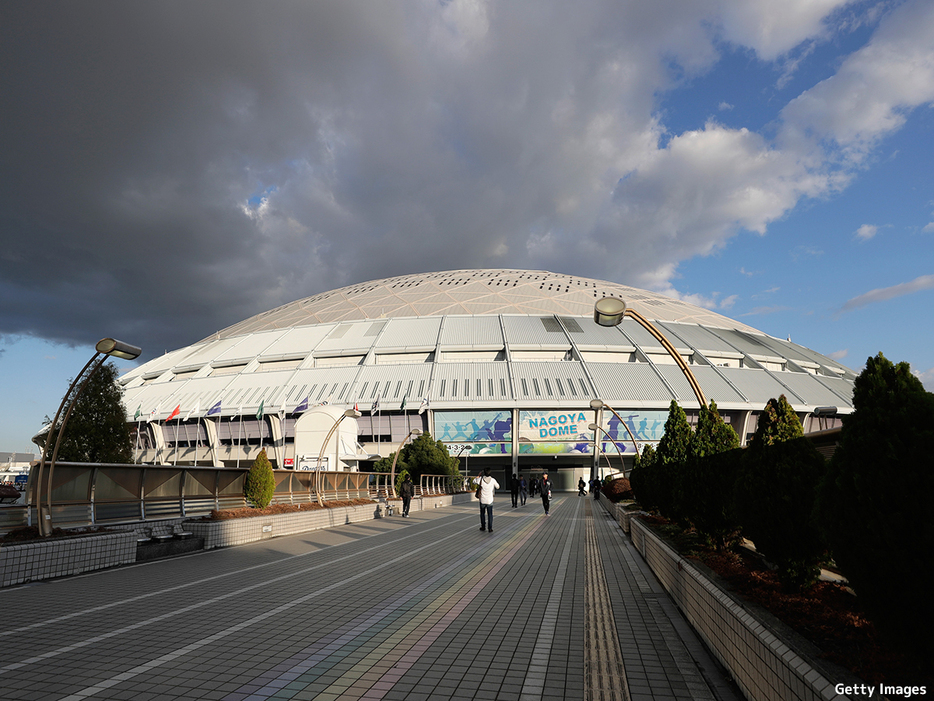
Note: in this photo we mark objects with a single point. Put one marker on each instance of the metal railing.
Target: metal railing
(97, 494)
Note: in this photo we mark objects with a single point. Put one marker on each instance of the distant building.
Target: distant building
(500, 365)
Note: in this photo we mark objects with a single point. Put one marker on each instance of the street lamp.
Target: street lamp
(104, 348)
(598, 404)
(395, 458)
(348, 414)
(595, 427)
(466, 462)
(610, 311)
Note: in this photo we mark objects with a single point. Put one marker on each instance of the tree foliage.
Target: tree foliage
(706, 487)
(875, 505)
(260, 483)
(641, 479)
(423, 456)
(98, 430)
(775, 493)
(671, 461)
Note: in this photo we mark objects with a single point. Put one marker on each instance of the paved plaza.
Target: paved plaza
(427, 607)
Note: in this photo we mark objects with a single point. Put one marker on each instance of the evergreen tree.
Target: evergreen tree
(670, 462)
(707, 487)
(875, 503)
(98, 430)
(641, 479)
(260, 483)
(423, 456)
(775, 493)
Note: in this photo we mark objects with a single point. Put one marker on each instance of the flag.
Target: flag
(355, 407)
(259, 412)
(301, 407)
(139, 412)
(375, 407)
(402, 408)
(194, 411)
(175, 412)
(152, 416)
(423, 406)
(216, 409)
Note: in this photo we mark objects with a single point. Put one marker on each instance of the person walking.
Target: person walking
(581, 487)
(523, 490)
(407, 491)
(595, 488)
(487, 489)
(545, 485)
(514, 490)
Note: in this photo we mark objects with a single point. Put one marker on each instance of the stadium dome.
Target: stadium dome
(500, 365)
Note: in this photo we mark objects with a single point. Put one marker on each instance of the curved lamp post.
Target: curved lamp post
(395, 459)
(466, 462)
(598, 404)
(595, 427)
(348, 414)
(105, 348)
(610, 311)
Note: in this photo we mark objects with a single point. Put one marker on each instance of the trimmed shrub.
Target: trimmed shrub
(260, 483)
(774, 502)
(641, 479)
(617, 490)
(670, 462)
(875, 503)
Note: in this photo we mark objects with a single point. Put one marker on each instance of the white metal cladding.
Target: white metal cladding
(392, 382)
(535, 331)
(810, 389)
(349, 336)
(842, 388)
(759, 385)
(251, 346)
(712, 384)
(210, 351)
(634, 384)
(464, 331)
(596, 337)
(408, 333)
(693, 336)
(468, 382)
(552, 382)
(159, 365)
(751, 344)
(795, 351)
(300, 340)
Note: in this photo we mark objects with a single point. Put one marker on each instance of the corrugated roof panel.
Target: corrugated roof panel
(531, 331)
(348, 335)
(753, 344)
(794, 351)
(251, 346)
(402, 333)
(712, 385)
(813, 391)
(158, 365)
(458, 382)
(596, 337)
(372, 375)
(472, 330)
(694, 336)
(299, 340)
(759, 383)
(636, 384)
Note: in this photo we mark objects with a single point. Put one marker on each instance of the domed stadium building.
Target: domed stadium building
(503, 366)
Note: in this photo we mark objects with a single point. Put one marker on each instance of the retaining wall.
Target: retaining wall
(29, 562)
(764, 666)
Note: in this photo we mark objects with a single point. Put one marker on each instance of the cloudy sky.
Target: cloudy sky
(171, 168)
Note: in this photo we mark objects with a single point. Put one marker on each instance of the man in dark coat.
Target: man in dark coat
(545, 485)
(406, 491)
(514, 490)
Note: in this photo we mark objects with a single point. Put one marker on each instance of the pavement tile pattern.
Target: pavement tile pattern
(546, 607)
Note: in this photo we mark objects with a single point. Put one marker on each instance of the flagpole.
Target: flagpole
(178, 422)
(197, 440)
(239, 433)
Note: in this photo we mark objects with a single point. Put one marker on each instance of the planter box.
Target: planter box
(60, 557)
(239, 531)
(764, 665)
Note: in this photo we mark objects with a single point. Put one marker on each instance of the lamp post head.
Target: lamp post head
(118, 349)
(609, 311)
(593, 427)
(597, 404)
(352, 414)
(825, 411)
(416, 432)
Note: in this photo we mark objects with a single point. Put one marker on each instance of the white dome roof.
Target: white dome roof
(473, 293)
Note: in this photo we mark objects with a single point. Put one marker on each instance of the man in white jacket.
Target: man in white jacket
(487, 487)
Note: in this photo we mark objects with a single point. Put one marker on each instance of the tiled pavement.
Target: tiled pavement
(428, 607)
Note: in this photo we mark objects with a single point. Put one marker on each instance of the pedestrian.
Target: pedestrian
(595, 488)
(406, 491)
(523, 490)
(581, 486)
(534, 486)
(545, 485)
(514, 490)
(487, 488)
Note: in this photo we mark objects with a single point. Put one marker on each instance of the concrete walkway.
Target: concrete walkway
(428, 607)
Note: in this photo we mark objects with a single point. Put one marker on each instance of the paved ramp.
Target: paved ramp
(429, 607)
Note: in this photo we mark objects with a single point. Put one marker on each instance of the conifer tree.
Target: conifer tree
(260, 483)
(670, 461)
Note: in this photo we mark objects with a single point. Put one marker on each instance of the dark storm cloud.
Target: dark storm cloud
(173, 167)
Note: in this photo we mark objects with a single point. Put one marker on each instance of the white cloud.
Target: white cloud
(839, 355)
(725, 106)
(866, 232)
(928, 228)
(925, 282)
(927, 378)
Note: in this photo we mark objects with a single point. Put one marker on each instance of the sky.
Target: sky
(172, 168)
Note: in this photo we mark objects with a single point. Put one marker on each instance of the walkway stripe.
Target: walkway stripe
(604, 677)
(433, 603)
(533, 688)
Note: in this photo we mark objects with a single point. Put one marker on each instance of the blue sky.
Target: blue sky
(167, 177)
